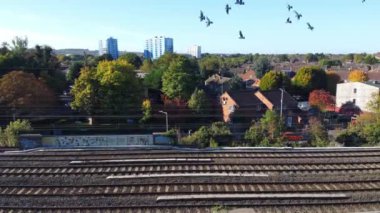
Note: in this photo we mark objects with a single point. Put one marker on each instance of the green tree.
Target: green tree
(267, 131)
(207, 136)
(261, 66)
(209, 65)
(147, 65)
(332, 81)
(8, 136)
(255, 134)
(274, 80)
(310, 57)
(133, 59)
(370, 59)
(74, 71)
(199, 102)
(359, 58)
(330, 63)
(219, 129)
(146, 108)
(236, 83)
(318, 133)
(309, 78)
(19, 46)
(112, 87)
(154, 79)
(179, 81)
(283, 58)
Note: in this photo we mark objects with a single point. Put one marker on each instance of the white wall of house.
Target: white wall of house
(356, 92)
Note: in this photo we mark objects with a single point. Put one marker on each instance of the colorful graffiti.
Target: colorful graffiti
(97, 141)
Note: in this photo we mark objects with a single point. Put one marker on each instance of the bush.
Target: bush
(350, 139)
(9, 136)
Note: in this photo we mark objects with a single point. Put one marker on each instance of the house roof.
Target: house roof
(274, 96)
(248, 98)
(245, 98)
(249, 75)
(217, 79)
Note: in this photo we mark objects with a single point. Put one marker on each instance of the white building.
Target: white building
(357, 93)
(195, 51)
(157, 46)
(102, 50)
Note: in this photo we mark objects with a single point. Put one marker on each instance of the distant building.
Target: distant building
(102, 50)
(357, 93)
(112, 48)
(195, 51)
(157, 46)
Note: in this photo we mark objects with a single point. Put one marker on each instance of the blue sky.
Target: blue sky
(341, 26)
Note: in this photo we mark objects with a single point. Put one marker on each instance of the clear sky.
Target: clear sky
(341, 26)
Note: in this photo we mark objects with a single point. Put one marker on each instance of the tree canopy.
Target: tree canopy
(309, 78)
(274, 80)
(321, 99)
(198, 101)
(23, 90)
(133, 59)
(180, 80)
(111, 87)
(357, 76)
(261, 66)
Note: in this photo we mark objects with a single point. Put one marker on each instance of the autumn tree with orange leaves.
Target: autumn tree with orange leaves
(321, 99)
(19, 89)
(357, 76)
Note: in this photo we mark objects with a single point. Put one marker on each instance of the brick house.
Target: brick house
(250, 79)
(245, 106)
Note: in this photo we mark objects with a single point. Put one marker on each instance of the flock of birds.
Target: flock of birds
(298, 16)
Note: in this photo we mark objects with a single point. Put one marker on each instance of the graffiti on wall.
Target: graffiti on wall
(97, 141)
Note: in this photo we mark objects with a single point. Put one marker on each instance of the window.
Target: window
(355, 90)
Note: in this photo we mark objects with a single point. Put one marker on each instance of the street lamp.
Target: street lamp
(282, 101)
(167, 122)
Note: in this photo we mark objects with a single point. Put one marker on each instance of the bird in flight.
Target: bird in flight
(298, 15)
(240, 2)
(228, 8)
(290, 7)
(202, 16)
(288, 21)
(363, 1)
(310, 27)
(241, 36)
(208, 22)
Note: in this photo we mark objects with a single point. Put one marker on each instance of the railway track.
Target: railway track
(138, 155)
(187, 188)
(186, 168)
(178, 180)
(346, 207)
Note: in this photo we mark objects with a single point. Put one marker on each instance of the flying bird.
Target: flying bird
(310, 27)
(208, 22)
(202, 16)
(241, 36)
(363, 1)
(228, 8)
(290, 7)
(298, 15)
(288, 21)
(239, 2)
